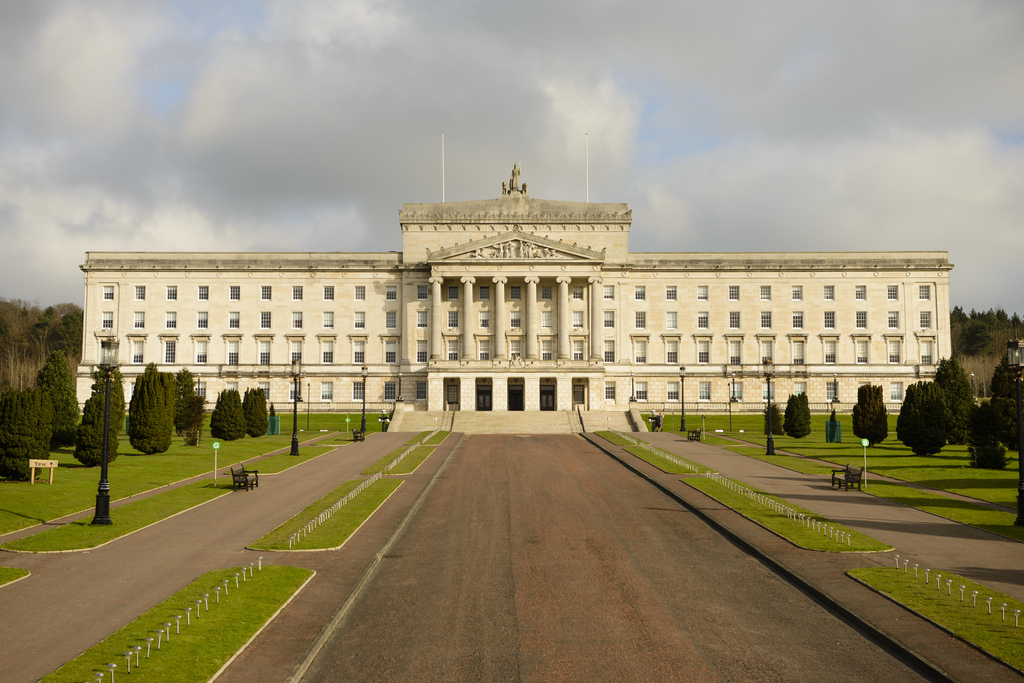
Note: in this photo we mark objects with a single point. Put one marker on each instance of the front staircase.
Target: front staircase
(513, 422)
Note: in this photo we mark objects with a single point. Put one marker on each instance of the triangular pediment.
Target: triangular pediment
(516, 245)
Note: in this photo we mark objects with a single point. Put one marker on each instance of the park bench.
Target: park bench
(359, 435)
(243, 478)
(693, 435)
(847, 477)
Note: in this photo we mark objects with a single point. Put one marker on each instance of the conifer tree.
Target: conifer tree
(117, 402)
(151, 413)
(921, 425)
(985, 449)
(89, 444)
(958, 397)
(776, 418)
(228, 420)
(25, 430)
(184, 387)
(192, 409)
(55, 380)
(1004, 400)
(869, 417)
(255, 408)
(797, 422)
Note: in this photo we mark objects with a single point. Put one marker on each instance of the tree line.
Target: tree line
(30, 333)
(978, 342)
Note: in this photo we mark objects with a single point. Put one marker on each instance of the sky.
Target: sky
(280, 125)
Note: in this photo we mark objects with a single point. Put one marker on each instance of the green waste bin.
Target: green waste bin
(273, 425)
(834, 432)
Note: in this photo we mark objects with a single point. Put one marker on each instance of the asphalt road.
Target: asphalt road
(540, 558)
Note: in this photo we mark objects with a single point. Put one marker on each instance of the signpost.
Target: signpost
(864, 443)
(43, 465)
(216, 445)
(347, 420)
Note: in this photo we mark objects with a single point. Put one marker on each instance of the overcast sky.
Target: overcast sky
(287, 125)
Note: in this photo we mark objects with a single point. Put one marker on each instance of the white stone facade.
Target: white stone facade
(523, 304)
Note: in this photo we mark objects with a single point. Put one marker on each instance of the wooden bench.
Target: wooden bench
(243, 478)
(359, 435)
(693, 435)
(847, 477)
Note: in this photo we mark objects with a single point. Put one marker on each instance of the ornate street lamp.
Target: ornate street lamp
(769, 372)
(108, 365)
(632, 388)
(974, 394)
(366, 371)
(1015, 356)
(682, 398)
(835, 388)
(399, 386)
(309, 392)
(732, 399)
(296, 388)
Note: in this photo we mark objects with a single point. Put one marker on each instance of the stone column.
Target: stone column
(596, 320)
(563, 317)
(436, 352)
(498, 323)
(468, 324)
(531, 312)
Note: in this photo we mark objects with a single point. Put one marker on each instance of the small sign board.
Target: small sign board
(864, 443)
(216, 445)
(41, 464)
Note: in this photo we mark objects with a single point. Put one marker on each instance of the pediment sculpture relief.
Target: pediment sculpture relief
(516, 249)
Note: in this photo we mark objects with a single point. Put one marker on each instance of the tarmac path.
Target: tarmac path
(540, 558)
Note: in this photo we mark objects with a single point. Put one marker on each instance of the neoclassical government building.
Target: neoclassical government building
(516, 303)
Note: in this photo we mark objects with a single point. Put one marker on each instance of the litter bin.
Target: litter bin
(833, 432)
(273, 425)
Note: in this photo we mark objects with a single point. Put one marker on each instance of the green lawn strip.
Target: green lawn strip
(127, 518)
(787, 461)
(332, 422)
(716, 440)
(436, 439)
(342, 524)
(416, 439)
(9, 574)
(383, 462)
(413, 460)
(275, 464)
(200, 649)
(794, 531)
(972, 623)
(614, 438)
(663, 464)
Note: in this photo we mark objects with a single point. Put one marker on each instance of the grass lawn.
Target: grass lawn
(972, 623)
(8, 574)
(342, 524)
(127, 518)
(332, 422)
(200, 649)
(614, 438)
(663, 464)
(283, 461)
(413, 460)
(787, 461)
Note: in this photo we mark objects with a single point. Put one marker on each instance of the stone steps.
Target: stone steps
(514, 422)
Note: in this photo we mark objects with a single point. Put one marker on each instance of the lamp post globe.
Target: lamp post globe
(108, 365)
(365, 372)
(296, 388)
(769, 372)
(1015, 357)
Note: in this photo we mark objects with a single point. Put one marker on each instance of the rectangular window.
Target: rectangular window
(232, 353)
(297, 320)
(265, 292)
(204, 293)
(421, 319)
(641, 351)
(641, 319)
(703, 320)
(296, 351)
(108, 320)
(577, 349)
(892, 292)
(390, 352)
(830, 320)
(515, 348)
(172, 292)
(609, 292)
(453, 319)
(894, 320)
(390, 391)
(735, 390)
(515, 292)
(329, 293)
(545, 293)
(485, 319)
(421, 292)
(926, 352)
(235, 294)
(703, 391)
(108, 292)
(735, 352)
(798, 320)
(358, 390)
(234, 321)
(862, 351)
(202, 320)
(734, 292)
(264, 352)
(360, 292)
(672, 352)
(327, 354)
(453, 349)
(830, 351)
(926, 320)
(577, 293)
(862, 320)
(830, 292)
(799, 388)
(140, 292)
(421, 351)
(609, 392)
(545, 349)
(265, 320)
(328, 319)
(359, 352)
(670, 293)
(766, 320)
(609, 319)
(798, 352)
(515, 320)
(391, 293)
(767, 351)
(170, 352)
(577, 319)
(453, 292)
(545, 319)
(485, 292)
(484, 349)
(640, 293)
(327, 391)
(924, 292)
(359, 320)
(734, 320)
(138, 348)
(767, 391)
(421, 390)
(766, 292)
(265, 388)
(798, 292)
(297, 293)
(830, 391)
(860, 292)
(671, 320)
(172, 320)
(704, 351)
(896, 391)
(390, 320)
(672, 391)
(609, 351)
(201, 389)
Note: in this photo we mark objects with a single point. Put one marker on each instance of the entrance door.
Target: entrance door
(483, 397)
(579, 394)
(515, 396)
(452, 396)
(547, 396)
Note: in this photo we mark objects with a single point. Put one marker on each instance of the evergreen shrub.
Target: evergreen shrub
(797, 422)
(228, 420)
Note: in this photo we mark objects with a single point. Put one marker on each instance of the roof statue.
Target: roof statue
(512, 186)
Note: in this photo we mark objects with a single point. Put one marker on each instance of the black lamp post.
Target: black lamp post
(308, 393)
(732, 399)
(399, 398)
(366, 371)
(835, 388)
(1015, 356)
(108, 364)
(769, 372)
(296, 388)
(682, 398)
(974, 394)
(632, 388)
